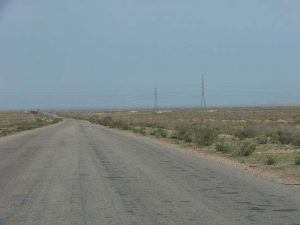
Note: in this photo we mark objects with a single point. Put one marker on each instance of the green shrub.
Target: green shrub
(106, 121)
(139, 130)
(297, 160)
(222, 147)
(116, 124)
(245, 133)
(205, 136)
(201, 136)
(247, 149)
(123, 125)
(286, 137)
(262, 140)
(159, 133)
(93, 119)
(109, 122)
(270, 161)
(183, 133)
(296, 139)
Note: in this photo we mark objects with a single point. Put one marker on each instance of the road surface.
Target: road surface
(77, 173)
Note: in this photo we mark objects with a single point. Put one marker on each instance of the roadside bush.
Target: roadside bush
(93, 119)
(159, 133)
(222, 147)
(139, 130)
(201, 136)
(286, 137)
(205, 136)
(296, 139)
(123, 125)
(247, 149)
(109, 122)
(297, 160)
(270, 161)
(114, 124)
(183, 133)
(262, 140)
(106, 121)
(245, 133)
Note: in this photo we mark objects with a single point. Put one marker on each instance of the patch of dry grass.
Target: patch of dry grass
(13, 122)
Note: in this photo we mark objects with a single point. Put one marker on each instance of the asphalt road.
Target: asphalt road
(77, 173)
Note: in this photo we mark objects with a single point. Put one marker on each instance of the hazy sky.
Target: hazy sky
(113, 53)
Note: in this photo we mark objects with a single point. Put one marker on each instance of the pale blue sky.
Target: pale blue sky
(113, 53)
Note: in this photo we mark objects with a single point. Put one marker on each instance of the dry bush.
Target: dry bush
(247, 149)
(223, 147)
(201, 136)
(297, 160)
(270, 161)
(139, 130)
(286, 137)
(159, 133)
(245, 133)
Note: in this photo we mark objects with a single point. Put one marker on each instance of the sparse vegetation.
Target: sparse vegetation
(247, 149)
(139, 130)
(270, 161)
(159, 133)
(13, 122)
(287, 137)
(245, 133)
(297, 160)
(223, 147)
(262, 140)
(199, 135)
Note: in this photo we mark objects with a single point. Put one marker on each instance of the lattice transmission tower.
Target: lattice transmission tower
(155, 100)
(203, 98)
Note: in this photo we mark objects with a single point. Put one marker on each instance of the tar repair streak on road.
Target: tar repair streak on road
(75, 172)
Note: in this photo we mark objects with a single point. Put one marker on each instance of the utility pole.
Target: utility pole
(203, 99)
(155, 100)
(128, 118)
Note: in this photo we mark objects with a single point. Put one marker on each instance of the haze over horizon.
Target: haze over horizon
(65, 54)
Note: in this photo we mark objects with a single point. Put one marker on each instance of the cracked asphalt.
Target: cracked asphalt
(78, 173)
